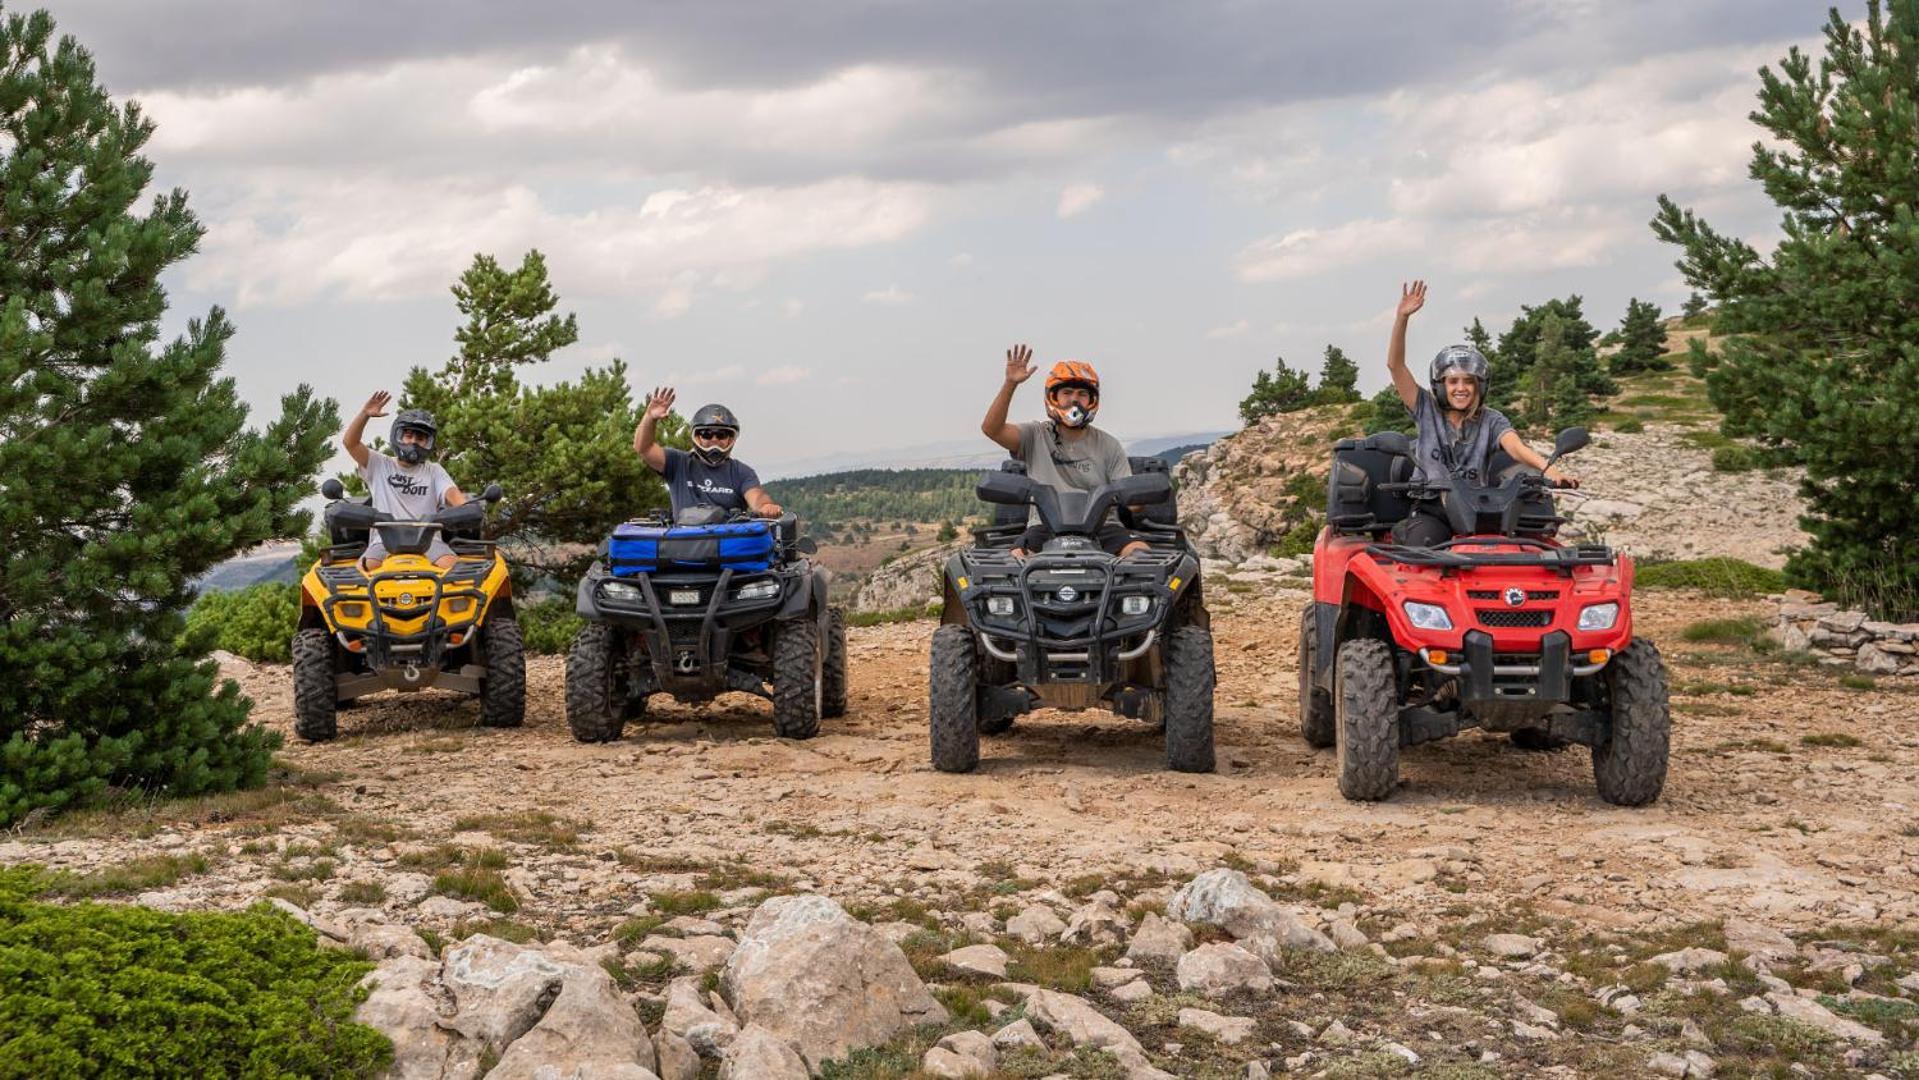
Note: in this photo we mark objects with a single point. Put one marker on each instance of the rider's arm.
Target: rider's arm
(454, 497)
(355, 429)
(761, 503)
(1411, 299)
(1525, 455)
(995, 426)
(649, 448)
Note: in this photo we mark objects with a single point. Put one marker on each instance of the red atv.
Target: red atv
(1502, 628)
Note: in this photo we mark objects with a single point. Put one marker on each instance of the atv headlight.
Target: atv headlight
(759, 590)
(1135, 605)
(620, 590)
(1428, 616)
(1599, 616)
(999, 605)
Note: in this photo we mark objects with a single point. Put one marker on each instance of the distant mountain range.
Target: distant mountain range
(272, 562)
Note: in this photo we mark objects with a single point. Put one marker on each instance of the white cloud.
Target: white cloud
(963, 260)
(1303, 252)
(791, 308)
(381, 239)
(674, 302)
(1230, 330)
(1079, 198)
(891, 295)
(729, 373)
(784, 375)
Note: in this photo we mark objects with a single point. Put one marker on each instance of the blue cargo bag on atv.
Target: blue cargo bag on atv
(743, 546)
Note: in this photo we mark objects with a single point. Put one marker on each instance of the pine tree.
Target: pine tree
(1642, 340)
(1338, 379)
(563, 454)
(1518, 353)
(1280, 391)
(1693, 308)
(126, 468)
(1821, 360)
(1390, 413)
(1478, 338)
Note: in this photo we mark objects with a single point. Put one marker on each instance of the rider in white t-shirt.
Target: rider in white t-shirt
(407, 487)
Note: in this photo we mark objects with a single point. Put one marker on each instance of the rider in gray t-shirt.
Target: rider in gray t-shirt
(408, 487)
(1065, 451)
(1457, 432)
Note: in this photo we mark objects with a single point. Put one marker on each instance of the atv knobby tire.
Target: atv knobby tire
(1630, 761)
(316, 701)
(595, 685)
(953, 700)
(1366, 704)
(1189, 700)
(833, 693)
(798, 682)
(503, 688)
(1315, 705)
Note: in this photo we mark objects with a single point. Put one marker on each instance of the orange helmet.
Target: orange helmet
(1072, 373)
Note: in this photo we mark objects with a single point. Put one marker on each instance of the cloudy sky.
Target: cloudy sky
(835, 216)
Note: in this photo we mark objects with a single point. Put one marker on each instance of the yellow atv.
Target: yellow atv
(408, 625)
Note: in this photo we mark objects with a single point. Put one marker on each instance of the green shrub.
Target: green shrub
(255, 622)
(1298, 540)
(116, 990)
(548, 626)
(1734, 459)
(1718, 576)
(1631, 425)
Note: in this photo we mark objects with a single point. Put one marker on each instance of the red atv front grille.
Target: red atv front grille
(1495, 594)
(1508, 619)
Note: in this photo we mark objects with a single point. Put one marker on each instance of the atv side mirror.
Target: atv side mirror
(492, 494)
(332, 489)
(1006, 488)
(1573, 438)
(807, 546)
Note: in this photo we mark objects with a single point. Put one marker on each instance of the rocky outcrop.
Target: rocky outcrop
(910, 581)
(823, 982)
(536, 1012)
(1805, 623)
(1240, 495)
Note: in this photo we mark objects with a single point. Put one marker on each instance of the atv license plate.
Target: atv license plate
(682, 597)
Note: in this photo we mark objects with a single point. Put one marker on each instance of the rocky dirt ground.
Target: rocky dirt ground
(1792, 806)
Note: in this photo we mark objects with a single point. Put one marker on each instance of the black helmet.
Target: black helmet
(1467, 361)
(414, 420)
(714, 416)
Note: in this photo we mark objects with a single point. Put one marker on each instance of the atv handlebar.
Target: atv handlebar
(1073, 512)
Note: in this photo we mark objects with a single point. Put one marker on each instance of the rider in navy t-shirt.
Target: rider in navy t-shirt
(709, 475)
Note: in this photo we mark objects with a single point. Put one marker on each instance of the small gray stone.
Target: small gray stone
(1231, 1030)
(1220, 969)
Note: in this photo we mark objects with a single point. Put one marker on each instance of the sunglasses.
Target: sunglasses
(714, 434)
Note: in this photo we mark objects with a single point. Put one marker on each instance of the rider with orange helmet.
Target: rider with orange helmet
(1065, 450)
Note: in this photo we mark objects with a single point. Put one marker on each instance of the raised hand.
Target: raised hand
(659, 405)
(376, 405)
(1019, 364)
(1411, 298)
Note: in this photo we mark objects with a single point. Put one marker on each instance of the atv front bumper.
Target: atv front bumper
(689, 622)
(1486, 675)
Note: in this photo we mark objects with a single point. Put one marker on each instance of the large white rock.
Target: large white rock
(758, 1054)
(1160, 940)
(689, 1016)
(1224, 898)
(1759, 941)
(1220, 969)
(404, 1005)
(1098, 923)
(987, 960)
(1808, 1011)
(1036, 925)
(1231, 1030)
(499, 989)
(678, 1059)
(824, 982)
(589, 1032)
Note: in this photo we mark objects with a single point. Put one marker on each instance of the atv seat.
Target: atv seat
(1354, 501)
(1166, 513)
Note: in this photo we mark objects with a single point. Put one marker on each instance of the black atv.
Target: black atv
(701, 606)
(1071, 627)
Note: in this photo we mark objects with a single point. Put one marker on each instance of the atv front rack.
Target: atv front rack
(424, 648)
(1451, 555)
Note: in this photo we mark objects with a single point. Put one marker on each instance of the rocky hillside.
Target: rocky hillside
(1246, 492)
